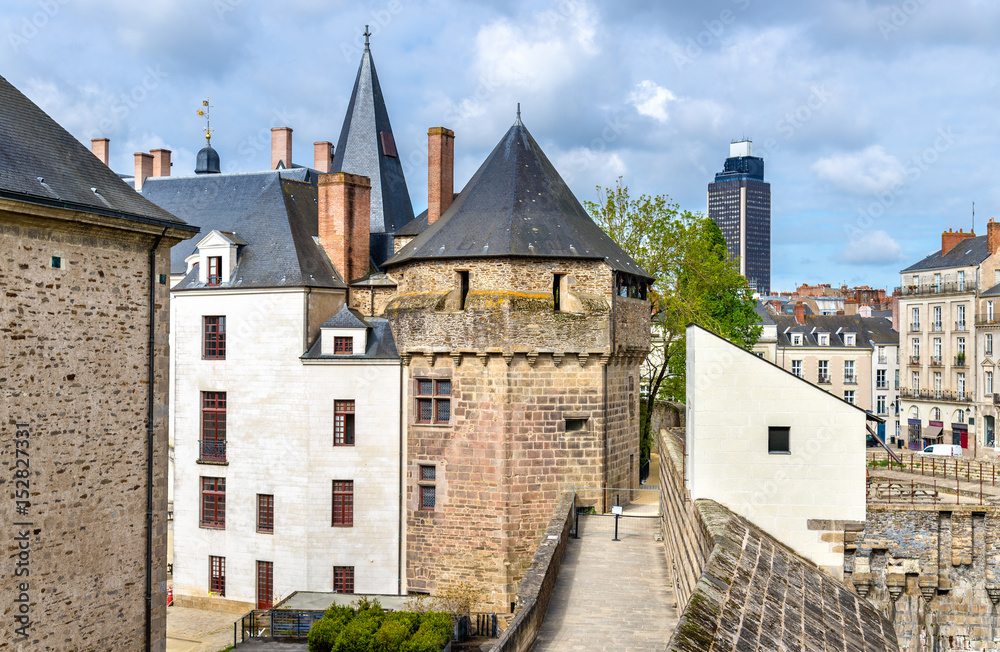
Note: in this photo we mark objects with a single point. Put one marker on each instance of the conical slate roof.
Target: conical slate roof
(364, 139)
(517, 205)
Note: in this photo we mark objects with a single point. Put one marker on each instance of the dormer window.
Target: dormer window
(824, 339)
(849, 339)
(214, 270)
(796, 339)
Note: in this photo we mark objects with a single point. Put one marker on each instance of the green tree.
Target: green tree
(694, 281)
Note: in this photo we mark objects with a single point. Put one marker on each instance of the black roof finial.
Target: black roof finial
(518, 121)
(367, 34)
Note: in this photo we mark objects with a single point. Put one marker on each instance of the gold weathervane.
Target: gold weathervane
(208, 125)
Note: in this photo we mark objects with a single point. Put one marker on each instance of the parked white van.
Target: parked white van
(943, 449)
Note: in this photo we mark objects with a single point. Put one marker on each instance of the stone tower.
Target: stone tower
(522, 327)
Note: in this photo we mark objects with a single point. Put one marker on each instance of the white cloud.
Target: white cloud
(875, 248)
(871, 170)
(650, 99)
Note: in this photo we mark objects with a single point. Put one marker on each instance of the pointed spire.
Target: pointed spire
(518, 120)
(367, 34)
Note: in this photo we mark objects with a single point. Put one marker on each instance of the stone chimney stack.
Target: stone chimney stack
(100, 146)
(993, 236)
(850, 307)
(281, 147)
(323, 156)
(949, 239)
(161, 162)
(440, 171)
(143, 168)
(800, 313)
(344, 222)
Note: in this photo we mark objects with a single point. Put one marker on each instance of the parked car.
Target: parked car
(871, 441)
(943, 449)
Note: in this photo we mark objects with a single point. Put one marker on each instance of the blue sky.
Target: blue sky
(876, 120)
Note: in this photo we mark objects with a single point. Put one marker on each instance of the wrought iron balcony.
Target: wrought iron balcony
(960, 326)
(936, 288)
(914, 359)
(850, 379)
(960, 360)
(212, 450)
(823, 379)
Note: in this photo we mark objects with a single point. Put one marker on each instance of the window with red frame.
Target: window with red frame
(343, 503)
(213, 427)
(265, 513)
(214, 338)
(343, 345)
(213, 502)
(214, 270)
(433, 401)
(343, 423)
(217, 573)
(265, 584)
(428, 477)
(343, 579)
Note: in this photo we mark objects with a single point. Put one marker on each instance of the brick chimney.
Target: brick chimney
(323, 156)
(800, 313)
(993, 236)
(281, 147)
(344, 222)
(99, 146)
(440, 171)
(161, 162)
(949, 239)
(143, 168)
(850, 307)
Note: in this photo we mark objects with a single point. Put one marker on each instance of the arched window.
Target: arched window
(936, 414)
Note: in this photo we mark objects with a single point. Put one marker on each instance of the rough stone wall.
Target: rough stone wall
(371, 301)
(74, 377)
(687, 543)
(503, 462)
(933, 570)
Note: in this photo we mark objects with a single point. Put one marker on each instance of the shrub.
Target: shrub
(323, 634)
(434, 633)
(390, 636)
(358, 634)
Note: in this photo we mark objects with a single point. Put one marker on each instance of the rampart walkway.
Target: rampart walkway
(610, 595)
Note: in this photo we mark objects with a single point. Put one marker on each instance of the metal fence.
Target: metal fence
(932, 475)
(640, 516)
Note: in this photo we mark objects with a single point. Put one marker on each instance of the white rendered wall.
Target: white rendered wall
(732, 398)
(280, 442)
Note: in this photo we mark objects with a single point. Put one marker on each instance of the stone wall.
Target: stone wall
(539, 580)
(687, 543)
(74, 377)
(933, 570)
(506, 457)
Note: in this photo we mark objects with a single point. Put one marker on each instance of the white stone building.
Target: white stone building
(773, 448)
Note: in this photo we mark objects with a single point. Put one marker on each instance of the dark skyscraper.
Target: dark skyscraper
(740, 203)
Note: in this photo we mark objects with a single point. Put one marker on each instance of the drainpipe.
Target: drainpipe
(402, 524)
(149, 441)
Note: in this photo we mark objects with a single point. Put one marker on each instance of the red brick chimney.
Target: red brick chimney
(281, 147)
(993, 236)
(143, 168)
(344, 222)
(161, 162)
(99, 146)
(800, 313)
(949, 239)
(440, 171)
(323, 156)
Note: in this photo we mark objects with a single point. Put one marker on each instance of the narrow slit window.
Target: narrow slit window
(463, 286)
(556, 291)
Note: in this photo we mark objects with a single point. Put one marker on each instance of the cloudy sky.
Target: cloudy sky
(876, 120)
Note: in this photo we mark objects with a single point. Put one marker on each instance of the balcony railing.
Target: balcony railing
(915, 327)
(823, 379)
(212, 450)
(985, 319)
(883, 360)
(938, 327)
(960, 360)
(938, 395)
(935, 361)
(850, 379)
(914, 359)
(996, 399)
(960, 326)
(881, 385)
(935, 288)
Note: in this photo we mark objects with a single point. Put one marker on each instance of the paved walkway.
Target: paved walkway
(199, 630)
(610, 596)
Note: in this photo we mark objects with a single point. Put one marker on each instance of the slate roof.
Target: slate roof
(360, 151)
(42, 163)
(516, 204)
(274, 212)
(345, 318)
(755, 593)
(868, 330)
(381, 344)
(992, 292)
(762, 312)
(971, 251)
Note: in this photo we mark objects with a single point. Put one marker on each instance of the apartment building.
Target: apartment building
(945, 314)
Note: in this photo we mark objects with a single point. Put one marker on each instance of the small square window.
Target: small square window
(576, 425)
(433, 402)
(56, 262)
(777, 440)
(343, 345)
